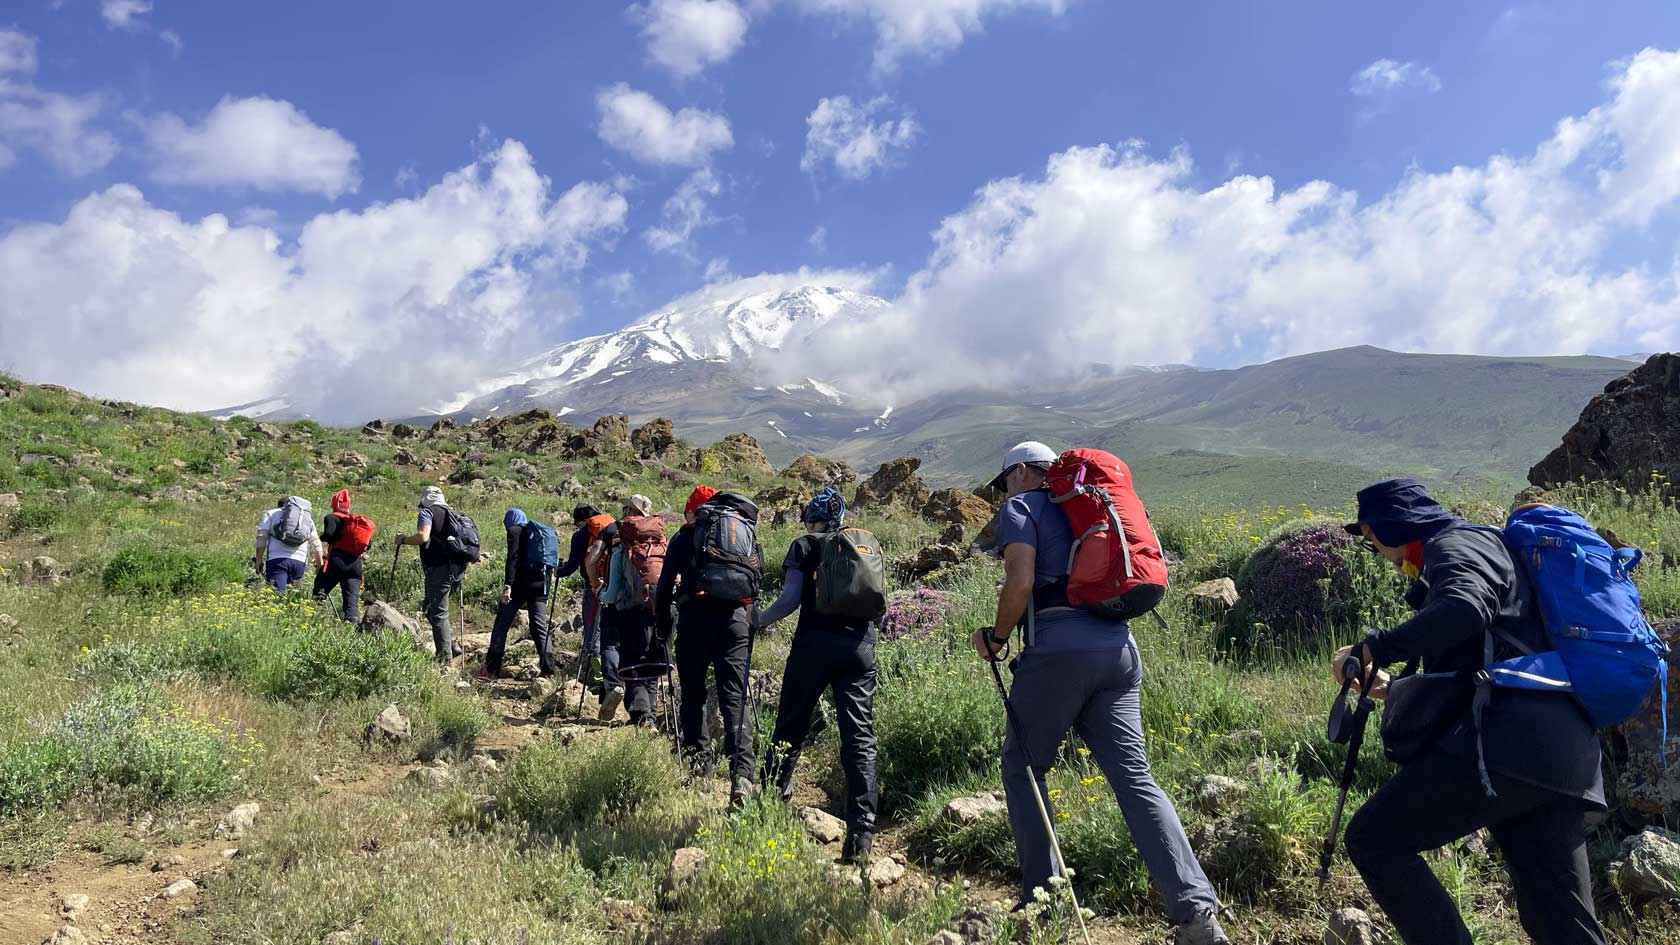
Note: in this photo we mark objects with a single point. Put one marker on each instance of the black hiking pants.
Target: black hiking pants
(716, 637)
(627, 635)
(530, 596)
(819, 660)
(1438, 799)
(345, 573)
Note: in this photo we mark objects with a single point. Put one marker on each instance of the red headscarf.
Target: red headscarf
(341, 501)
(700, 496)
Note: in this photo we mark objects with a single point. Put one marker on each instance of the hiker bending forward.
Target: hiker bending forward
(287, 542)
(829, 652)
(1081, 672)
(525, 578)
(1541, 753)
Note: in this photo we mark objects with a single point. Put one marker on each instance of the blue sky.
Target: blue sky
(275, 115)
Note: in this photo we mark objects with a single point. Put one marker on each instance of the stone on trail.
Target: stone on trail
(685, 865)
(380, 617)
(239, 820)
(885, 871)
(179, 888)
(435, 779)
(822, 825)
(967, 811)
(67, 935)
(1351, 927)
(73, 906)
(1648, 866)
(391, 725)
(1217, 795)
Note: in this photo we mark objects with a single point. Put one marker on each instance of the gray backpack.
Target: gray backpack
(852, 575)
(295, 524)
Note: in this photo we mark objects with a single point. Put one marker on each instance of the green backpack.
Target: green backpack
(852, 576)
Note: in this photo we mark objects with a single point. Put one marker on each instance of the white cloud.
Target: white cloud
(173, 40)
(1116, 255)
(717, 270)
(847, 136)
(17, 53)
(927, 28)
(406, 177)
(640, 125)
(685, 211)
(818, 240)
(1386, 76)
(686, 36)
(263, 143)
(125, 14)
(128, 300)
(619, 285)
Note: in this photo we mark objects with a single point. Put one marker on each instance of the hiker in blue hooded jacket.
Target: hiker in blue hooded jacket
(524, 587)
(829, 652)
(1537, 751)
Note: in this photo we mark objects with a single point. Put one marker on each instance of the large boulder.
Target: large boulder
(1644, 787)
(1648, 866)
(612, 427)
(380, 617)
(895, 483)
(654, 438)
(958, 507)
(819, 473)
(1625, 434)
(42, 571)
(737, 452)
(531, 432)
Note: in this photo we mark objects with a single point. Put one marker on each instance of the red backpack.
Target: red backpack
(1116, 580)
(644, 543)
(355, 534)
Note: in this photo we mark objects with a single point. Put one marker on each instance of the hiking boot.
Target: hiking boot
(855, 851)
(740, 789)
(486, 675)
(455, 650)
(1202, 929)
(610, 703)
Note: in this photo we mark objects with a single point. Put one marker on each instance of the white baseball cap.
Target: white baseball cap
(1031, 451)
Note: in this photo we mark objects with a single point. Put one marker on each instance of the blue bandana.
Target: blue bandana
(515, 518)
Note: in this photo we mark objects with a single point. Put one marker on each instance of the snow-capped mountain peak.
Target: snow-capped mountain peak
(725, 330)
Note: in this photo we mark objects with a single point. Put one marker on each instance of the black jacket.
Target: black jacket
(574, 560)
(1469, 583)
(516, 573)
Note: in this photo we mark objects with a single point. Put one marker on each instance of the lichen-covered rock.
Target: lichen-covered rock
(1351, 926)
(819, 473)
(741, 453)
(654, 438)
(391, 725)
(928, 560)
(1648, 866)
(612, 427)
(1644, 787)
(351, 459)
(957, 507)
(442, 426)
(1625, 434)
(895, 483)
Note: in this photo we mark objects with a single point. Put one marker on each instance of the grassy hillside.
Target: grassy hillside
(151, 689)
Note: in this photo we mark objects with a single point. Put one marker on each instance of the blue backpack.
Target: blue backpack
(542, 547)
(1603, 650)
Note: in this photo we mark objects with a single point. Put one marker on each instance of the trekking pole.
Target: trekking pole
(1348, 730)
(752, 696)
(1041, 802)
(391, 585)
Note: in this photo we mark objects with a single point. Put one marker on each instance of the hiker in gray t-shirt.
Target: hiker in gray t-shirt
(443, 573)
(1083, 673)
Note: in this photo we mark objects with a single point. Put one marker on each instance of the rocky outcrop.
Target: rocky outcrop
(532, 432)
(895, 483)
(819, 473)
(1625, 434)
(1644, 787)
(958, 507)
(737, 452)
(612, 427)
(653, 439)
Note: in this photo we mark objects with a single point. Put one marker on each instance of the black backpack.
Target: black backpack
(728, 562)
(458, 532)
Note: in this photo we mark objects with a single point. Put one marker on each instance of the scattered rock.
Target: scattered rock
(179, 888)
(946, 937)
(483, 764)
(380, 617)
(621, 913)
(403, 431)
(567, 734)
(885, 871)
(958, 507)
(36, 459)
(1217, 795)
(391, 725)
(405, 457)
(928, 560)
(374, 428)
(442, 426)
(822, 825)
(73, 906)
(966, 811)
(267, 431)
(1625, 434)
(654, 438)
(819, 473)
(435, 779)
(9, 503)
(230, 852)
(8, 624)
(685, 865)
(239, 820)
(1350, 927)
(735, 452)
(569, 487)
(896, 482)
(1648, 866)
(178, 494)
(351, 459)
(523, 470)
(952, 535)
(42, 571)
(67, 935)
(487, 805)
(1217, 595)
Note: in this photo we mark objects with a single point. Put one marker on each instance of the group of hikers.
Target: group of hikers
(1486, 735)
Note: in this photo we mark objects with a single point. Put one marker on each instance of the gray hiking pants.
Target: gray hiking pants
(441, 581)
(1095, 693)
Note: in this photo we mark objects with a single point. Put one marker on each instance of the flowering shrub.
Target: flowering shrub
(1303, 580)
(915, 615)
